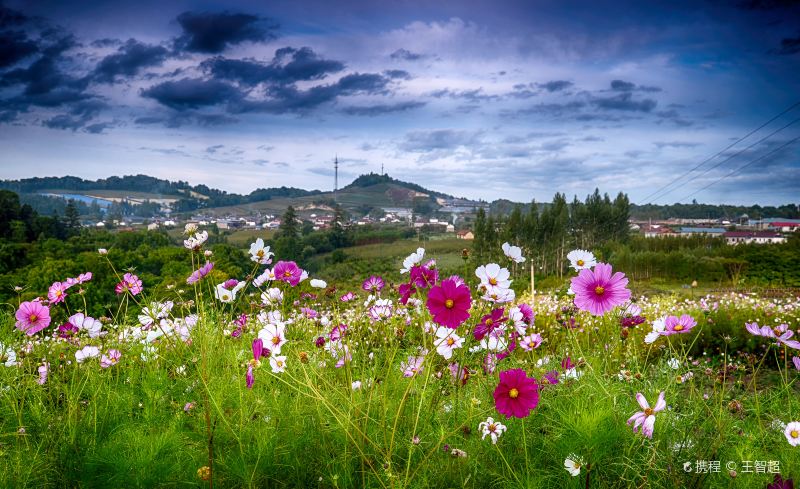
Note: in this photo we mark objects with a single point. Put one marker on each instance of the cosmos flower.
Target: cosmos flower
(347, 297)
(57, 292)
(8, 356)
(792, 433)
(573, 464)
(581, 259)
(449, 303)
(32, 317)
(412, 367)
(318, 284)
(196, 241)
(493, 276)
(201, 272)
(491, 428)
(87, 352)
(278, 363)
(489, 322)
(647, 417)
(413, 259)
(112, 358)
(516, 394)
(266, 276)
(272, 296)
(225, 292)
(249, 377)
(373, 284)
(43, 370)
(423, 277)
(598, 291)
(130, 283)
(499, 295)
(530, 342)
(446, 341)
(514, 253)
(273, 336)
(289, 272)
(406, 291)
(678, 325)
(781, 334)
(89, 324)
(796, 361)
(260, 253)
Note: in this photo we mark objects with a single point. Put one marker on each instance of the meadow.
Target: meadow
(275, 378)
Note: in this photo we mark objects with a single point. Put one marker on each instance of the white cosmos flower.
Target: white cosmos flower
(260, 253)
(514, 253)
(318, 284)
(272, 296)
(493, 276)
(196, 241)
(792, 433)
(274, 337)
(495, 341)
(278, 363)
(581, 259)
(267, 275)
(87, 352)
(491, 428)
(573, 465)
(517, 319)
(225, 295)
(356, 385)
(659, 325)
(86, 323)
(412, 260)
(446, 341)
(499, 295)
(8, 356)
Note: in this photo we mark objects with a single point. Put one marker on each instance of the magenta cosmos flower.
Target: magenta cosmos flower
(678, 325)
(449, 303)
(647, 417)
(201, 272)
(489, 323)
(373, 284)
(516, 394)
(32, 317)
(130, 283)
(288, 271)
(57, 292)
(598, 291)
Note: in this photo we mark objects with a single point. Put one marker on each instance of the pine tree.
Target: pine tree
(71, 217)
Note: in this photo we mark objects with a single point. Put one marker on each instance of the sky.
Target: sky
(480, 99)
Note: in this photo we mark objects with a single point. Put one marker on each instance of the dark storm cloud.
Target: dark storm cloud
(624, 86)
(475, 95)
(99, 127)
(106, 43)
(289, 65)
(790, 45)
(405, 54)
(11, 18)
(14, 47)
(625, 101)
(207, 32)
(192, 93)
(555, 85)
(380, 109)
(398, 74)
(128, 61)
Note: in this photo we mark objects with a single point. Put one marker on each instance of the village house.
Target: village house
(757, 237)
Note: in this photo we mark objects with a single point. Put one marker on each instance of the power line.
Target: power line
(662, 188)
(742, 151)
(742, 167)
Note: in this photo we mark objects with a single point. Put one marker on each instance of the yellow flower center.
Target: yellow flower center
(648, 411)
(32, 318)
(794, 434)
(260, 253)
(275, 340)
(678, 327)
(450, 341)
(492, 427)
(449, 303)
(58, 293)
(580, 263)
(225, 297)
(489, 322)
(279, 363)
(599, 290)
(287, 273)
(493, 281)
(513, 393)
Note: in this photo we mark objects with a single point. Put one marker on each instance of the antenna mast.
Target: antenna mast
(335, 175)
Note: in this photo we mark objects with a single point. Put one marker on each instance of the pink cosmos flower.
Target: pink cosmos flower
(336, 333)
(449, 303)
(796, 361)
(130, 283)
(57, 292)
(32, 317)
(489, 323)
(406, 291)
(201, 272)
(288, 271)
(347, 297)
(412, 367)
(67, 330)
(598, 291)
(84, 277)
(678, 325)
(249, 377)
(309, 313)
(780, 333)
(647, 417)
(529, 342)
(550, 377)
(373, 284)
(43, 370)
(112, 358)
(516, 394)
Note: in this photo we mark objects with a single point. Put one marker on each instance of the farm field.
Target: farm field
(443, 381)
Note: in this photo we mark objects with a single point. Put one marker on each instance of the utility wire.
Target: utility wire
(742, 167)
(664, 187)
